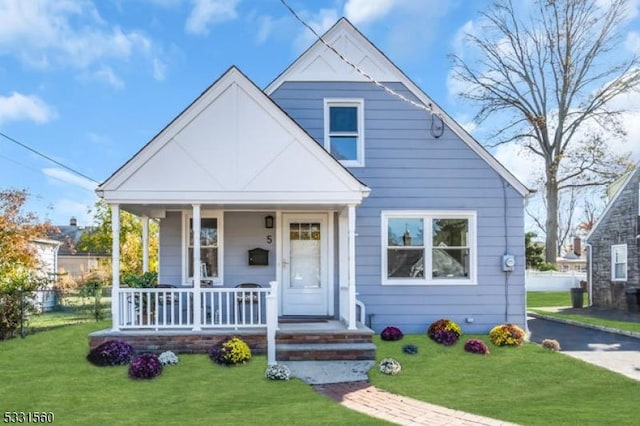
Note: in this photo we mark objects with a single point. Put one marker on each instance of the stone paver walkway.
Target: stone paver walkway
(367, 399)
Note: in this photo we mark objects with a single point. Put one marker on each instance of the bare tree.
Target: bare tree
(554, 71)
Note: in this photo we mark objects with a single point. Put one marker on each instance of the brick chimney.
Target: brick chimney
(577, 246)
(73, 221)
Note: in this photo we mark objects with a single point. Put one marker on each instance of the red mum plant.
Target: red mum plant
(476, 346)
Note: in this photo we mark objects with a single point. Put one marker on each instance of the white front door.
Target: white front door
(305, 268)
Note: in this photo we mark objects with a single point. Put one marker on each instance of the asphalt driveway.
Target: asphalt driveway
(613, 351)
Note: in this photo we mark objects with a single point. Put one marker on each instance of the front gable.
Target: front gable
(351, 57)
(233, 145)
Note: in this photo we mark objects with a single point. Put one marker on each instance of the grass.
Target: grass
(73, 310)
(526, 385)
(48, 372)
(539, 299)
(544, 299)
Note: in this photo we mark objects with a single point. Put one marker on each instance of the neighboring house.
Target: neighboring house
(73, 263)
(364, 203)
(614, 262)
(573, 259)
(46, 253)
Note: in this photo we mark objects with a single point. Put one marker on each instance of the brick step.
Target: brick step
(301, 338)
(325, 351)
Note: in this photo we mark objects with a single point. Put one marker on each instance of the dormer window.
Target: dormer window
(344, 130)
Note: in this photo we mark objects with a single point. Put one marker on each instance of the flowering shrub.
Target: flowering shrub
(444, 331)
(506, 335)
(391, 333)
(551, 344)
(145, 366)
(168, 358)
(476, 346)
(277, 372)
(390, 366)
(230, 351)
(111, 352)
(410, 349)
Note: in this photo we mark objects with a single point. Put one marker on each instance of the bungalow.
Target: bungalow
(345, 203)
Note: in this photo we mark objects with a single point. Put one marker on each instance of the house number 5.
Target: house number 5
(269, 239)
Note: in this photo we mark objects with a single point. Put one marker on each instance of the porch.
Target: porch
(311, 340)
(191, 320)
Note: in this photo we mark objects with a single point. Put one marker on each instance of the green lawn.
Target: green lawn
(48, 372)
(544, 299)
(539, 299)
(526, 385)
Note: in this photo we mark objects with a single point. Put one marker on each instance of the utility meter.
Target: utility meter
(508, 262)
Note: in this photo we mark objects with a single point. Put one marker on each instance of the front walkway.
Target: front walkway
(367, 399)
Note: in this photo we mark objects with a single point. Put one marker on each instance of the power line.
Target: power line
(360, 71)
(45, 156)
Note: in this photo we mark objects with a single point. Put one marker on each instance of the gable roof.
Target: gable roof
(233, 145)
(619, 187)
(319, 63)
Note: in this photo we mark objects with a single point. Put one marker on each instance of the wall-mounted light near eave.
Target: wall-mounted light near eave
(268, 222)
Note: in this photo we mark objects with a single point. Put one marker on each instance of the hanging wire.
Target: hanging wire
(428, 108)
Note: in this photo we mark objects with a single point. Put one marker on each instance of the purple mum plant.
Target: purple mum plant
(145, 366)
(111, 352)
(476, 346)
(445, 337)
(391, 333)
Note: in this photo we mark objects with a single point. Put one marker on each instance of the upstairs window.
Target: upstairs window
(344, 130)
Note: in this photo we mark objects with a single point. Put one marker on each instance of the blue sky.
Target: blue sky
(90, 82)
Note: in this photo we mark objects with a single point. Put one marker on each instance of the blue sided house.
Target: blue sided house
(324, 203)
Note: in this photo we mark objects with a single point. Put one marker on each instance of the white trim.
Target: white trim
(204, 214)
(428, 216)
(614, 248)
(346, 102)
(612, 201)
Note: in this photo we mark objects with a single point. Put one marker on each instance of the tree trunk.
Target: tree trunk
(551, 244)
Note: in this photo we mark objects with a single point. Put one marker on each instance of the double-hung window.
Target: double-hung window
(619, 262)
(210, 253)
(429, 247)
(344, 130)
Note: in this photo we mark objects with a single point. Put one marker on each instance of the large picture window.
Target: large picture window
(344, 130)
(428, 247)
(619, 262)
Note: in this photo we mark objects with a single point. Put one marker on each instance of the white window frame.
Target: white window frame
(346, 102)
(428, 216)
(205, 214)
(623, 249)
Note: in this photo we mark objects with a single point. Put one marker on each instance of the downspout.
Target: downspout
(589, 274)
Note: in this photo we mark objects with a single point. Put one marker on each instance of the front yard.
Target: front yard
(527, 385)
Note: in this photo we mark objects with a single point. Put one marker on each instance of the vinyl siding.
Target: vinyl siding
(170, 249)
(408, 169)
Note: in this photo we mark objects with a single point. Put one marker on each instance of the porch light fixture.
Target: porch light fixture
(268, 222)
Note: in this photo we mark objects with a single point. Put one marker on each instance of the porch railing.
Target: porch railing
(173, 308)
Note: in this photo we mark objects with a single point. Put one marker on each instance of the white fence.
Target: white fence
(553, 280)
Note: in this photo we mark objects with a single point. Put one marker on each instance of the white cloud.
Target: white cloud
(159, 69)
(361, 11)
(632, 42)
(523, 164)
(69, 178)
(65, 34)
(64, 208)
(265, 27)
(106, 75)
(25, 107)
(208, 12)
(320, 22)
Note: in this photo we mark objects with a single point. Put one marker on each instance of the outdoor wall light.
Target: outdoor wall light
(268, 221)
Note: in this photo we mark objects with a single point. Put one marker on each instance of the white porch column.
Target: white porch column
(145, 243)
(352, 268)
(115, 267)
(197, 309)
(272, 322)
